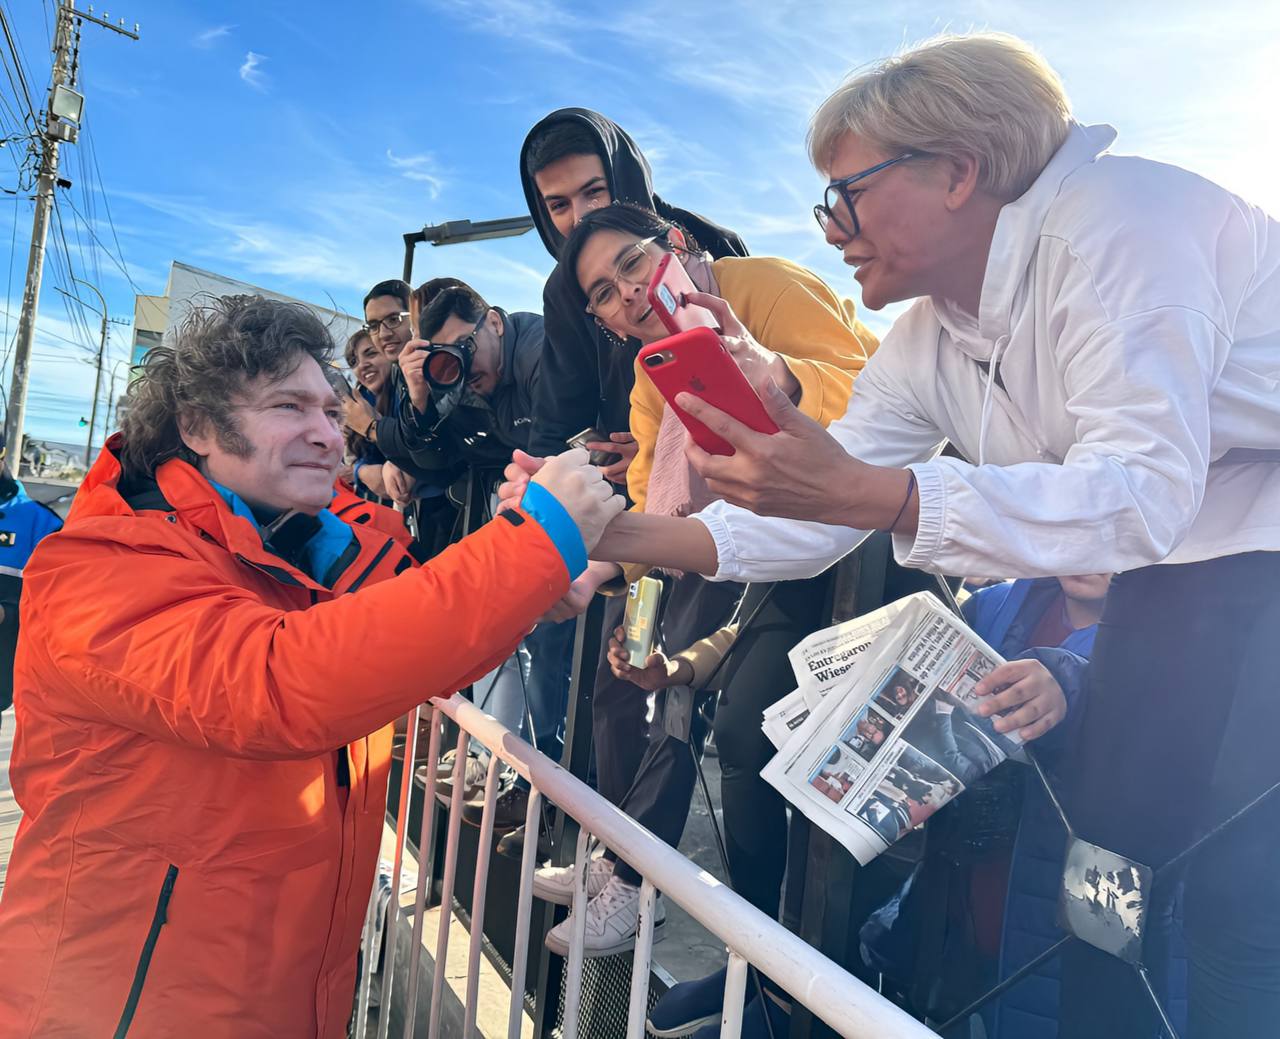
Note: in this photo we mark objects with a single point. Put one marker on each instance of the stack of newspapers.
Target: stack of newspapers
(884, 728)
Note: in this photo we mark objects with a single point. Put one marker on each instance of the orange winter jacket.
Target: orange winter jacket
(351, 508)
(201, 756)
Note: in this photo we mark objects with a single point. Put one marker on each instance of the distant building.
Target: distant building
(150, 318)
(189, 286)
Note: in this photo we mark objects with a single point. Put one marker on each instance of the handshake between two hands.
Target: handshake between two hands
(576, 484)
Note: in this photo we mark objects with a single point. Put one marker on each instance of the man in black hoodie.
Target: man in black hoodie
(573, 161)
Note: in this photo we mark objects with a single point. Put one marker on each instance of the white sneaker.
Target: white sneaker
(474, 773)
(612, 919)
(555, 883)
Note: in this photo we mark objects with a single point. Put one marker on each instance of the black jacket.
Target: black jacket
(481, 431)
(429, 463)
(587, 375)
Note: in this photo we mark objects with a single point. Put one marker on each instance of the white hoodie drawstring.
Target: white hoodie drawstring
(1001, 345)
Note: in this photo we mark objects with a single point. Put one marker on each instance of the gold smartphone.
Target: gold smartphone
(640, 619)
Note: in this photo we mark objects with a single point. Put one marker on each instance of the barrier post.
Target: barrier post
(576, 760)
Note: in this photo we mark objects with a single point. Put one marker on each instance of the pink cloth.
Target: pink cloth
(675, 487)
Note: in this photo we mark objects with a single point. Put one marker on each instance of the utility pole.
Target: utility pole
(62, 117)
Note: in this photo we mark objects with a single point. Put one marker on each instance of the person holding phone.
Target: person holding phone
(371, 366)
(784, 326)
(572, 161)
(782, 323)
(1096, 337)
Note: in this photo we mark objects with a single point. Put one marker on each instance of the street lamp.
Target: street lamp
(102, 349)
(454, 232)
(111, 392)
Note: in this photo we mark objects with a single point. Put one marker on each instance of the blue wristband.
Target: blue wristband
(552, 517)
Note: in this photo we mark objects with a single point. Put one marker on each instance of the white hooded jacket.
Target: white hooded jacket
(1117, 400)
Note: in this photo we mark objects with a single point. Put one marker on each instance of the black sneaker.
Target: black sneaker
(509, 810)
(512, 845)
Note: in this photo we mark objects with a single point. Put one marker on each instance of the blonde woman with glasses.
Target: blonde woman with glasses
(1098, 338)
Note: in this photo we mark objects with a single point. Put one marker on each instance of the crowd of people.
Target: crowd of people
(269, 565)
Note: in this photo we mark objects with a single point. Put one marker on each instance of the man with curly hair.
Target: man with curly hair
(203, 741)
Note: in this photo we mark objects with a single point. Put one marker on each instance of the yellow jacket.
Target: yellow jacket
(794, 313)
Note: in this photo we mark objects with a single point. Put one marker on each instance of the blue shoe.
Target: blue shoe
(686, 1007)
(753, 1023)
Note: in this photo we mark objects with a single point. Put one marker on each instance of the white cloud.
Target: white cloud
(420, 168)
(211, 37)
(251, 73)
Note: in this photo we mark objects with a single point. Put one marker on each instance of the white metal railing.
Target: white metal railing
(829, 992)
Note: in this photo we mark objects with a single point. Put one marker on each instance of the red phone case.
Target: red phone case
(699, 364)
(667, 287)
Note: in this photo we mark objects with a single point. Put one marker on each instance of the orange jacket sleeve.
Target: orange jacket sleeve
(156, 639)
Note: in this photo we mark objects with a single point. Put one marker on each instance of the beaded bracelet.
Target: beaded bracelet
(911, 486)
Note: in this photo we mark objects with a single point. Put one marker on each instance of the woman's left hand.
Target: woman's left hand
(1026, 697)
(759, 364)
(623, 444)
(357, 415)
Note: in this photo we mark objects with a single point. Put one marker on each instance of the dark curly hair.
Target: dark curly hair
(193, 379)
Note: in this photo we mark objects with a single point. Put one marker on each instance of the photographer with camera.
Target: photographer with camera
(471, 381)
(414, 475)
(471, 377)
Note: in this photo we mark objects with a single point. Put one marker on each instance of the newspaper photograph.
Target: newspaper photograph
(826, 660)
(895, 735)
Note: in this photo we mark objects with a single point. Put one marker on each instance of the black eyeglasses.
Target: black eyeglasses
(390, 322)
(838, 200)
(635, 268)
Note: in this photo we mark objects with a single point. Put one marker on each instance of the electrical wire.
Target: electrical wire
(118, 260)
(19, 68)
(118, 256)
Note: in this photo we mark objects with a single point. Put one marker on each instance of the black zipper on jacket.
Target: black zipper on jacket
(370, 568)
(158, 920)
(278, 573)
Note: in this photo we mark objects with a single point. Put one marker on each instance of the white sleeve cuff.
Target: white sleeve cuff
(919, 552)
(726, 554)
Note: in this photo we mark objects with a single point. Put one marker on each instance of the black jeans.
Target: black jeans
(756, 675)
(1180, 731)
(662, 792)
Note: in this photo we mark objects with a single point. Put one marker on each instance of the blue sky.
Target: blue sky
(291, 145)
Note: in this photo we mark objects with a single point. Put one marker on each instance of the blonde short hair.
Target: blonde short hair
(988, 94)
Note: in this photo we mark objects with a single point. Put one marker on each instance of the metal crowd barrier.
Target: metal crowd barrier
(832, 995)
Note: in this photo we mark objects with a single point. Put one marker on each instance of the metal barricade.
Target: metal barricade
(831, 994)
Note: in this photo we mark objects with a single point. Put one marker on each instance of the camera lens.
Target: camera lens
(444, 369)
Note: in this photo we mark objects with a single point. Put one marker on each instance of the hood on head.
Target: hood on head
(625, 168)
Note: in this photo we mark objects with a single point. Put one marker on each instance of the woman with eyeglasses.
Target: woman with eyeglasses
(782, 323)
(784, 326)
(1098, 338)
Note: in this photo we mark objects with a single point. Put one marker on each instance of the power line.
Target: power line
(106, 205)
(118, 260)
(8, 285)
(59, 129)
(52, 335)
(18, 65)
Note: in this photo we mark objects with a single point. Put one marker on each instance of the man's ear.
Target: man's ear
(496, 324)
(962, 172)
(197, 436)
